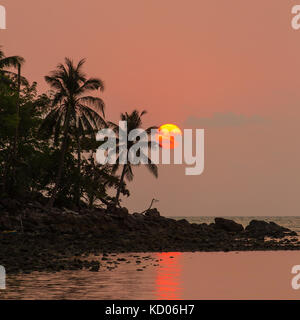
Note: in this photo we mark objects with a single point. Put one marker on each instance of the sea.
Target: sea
(172, 275)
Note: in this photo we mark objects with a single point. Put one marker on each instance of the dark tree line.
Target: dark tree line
(48, 141)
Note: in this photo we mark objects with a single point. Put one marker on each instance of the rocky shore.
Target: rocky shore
(34, 238)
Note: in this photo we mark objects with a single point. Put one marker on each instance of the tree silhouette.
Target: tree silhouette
(134, 121)
(73, 108)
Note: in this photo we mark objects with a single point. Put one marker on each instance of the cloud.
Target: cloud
(227, 119)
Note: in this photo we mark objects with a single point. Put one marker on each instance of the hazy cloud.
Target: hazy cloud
(227, 119)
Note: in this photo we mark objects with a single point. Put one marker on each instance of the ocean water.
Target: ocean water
(171, 275)
(176, 276)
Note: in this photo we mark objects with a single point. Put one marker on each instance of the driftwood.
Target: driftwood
(151, 204)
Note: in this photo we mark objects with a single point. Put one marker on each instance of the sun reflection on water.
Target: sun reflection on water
(168, 278)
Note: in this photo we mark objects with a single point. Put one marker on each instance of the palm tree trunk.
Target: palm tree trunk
(91, 201)
(121, 184)
(16, 140)
(61, 163)
(13, 147)
(77, 196)
(18, 111)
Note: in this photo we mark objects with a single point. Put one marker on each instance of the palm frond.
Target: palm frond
(91, 84)
(152, 168)
(8, 62)
(128, 172)
(93, 102)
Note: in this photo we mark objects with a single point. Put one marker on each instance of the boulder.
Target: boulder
(138, 216)
(259, 228)
(10, 204)
(228, 225)
(183, 222)
(6, 223)
(117, 212)
(152, 213)
(95, 266)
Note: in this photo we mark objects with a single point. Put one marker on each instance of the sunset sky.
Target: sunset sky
(231, 67)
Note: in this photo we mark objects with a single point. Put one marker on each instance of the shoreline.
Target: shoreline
(62, 239)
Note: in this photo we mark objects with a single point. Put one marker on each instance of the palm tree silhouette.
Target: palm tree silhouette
(8, 78)
(134, 121)
(9, 62)
(72, 108)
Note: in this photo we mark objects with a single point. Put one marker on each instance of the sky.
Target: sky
(230, 67)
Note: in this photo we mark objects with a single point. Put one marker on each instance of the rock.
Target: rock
(52, 238)
(119, 213)
(259, 228)
(71, 212)
(6, 223)
(95, 267)
(138, 216)
(228, 225)
(121, 259)
(183, 222)
(10, 204)
(35, 204)
(125, 210)
(152, 213)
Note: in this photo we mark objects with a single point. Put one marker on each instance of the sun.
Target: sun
(167, 134)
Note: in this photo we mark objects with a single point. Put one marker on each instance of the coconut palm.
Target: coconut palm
(73, 110)
(10, 62)
(9, 78)
(134, 121)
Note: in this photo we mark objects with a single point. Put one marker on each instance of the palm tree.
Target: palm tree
(7, 78)
(11, 62)
(97, 179)
(72, 108)
(134, 121)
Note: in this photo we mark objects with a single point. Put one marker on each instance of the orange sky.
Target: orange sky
(228, 66)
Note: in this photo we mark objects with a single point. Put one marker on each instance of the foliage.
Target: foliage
(48, 141)
(134, 121)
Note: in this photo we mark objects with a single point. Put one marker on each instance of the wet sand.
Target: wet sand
(199, 275)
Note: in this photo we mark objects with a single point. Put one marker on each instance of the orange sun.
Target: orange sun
(167, 134)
